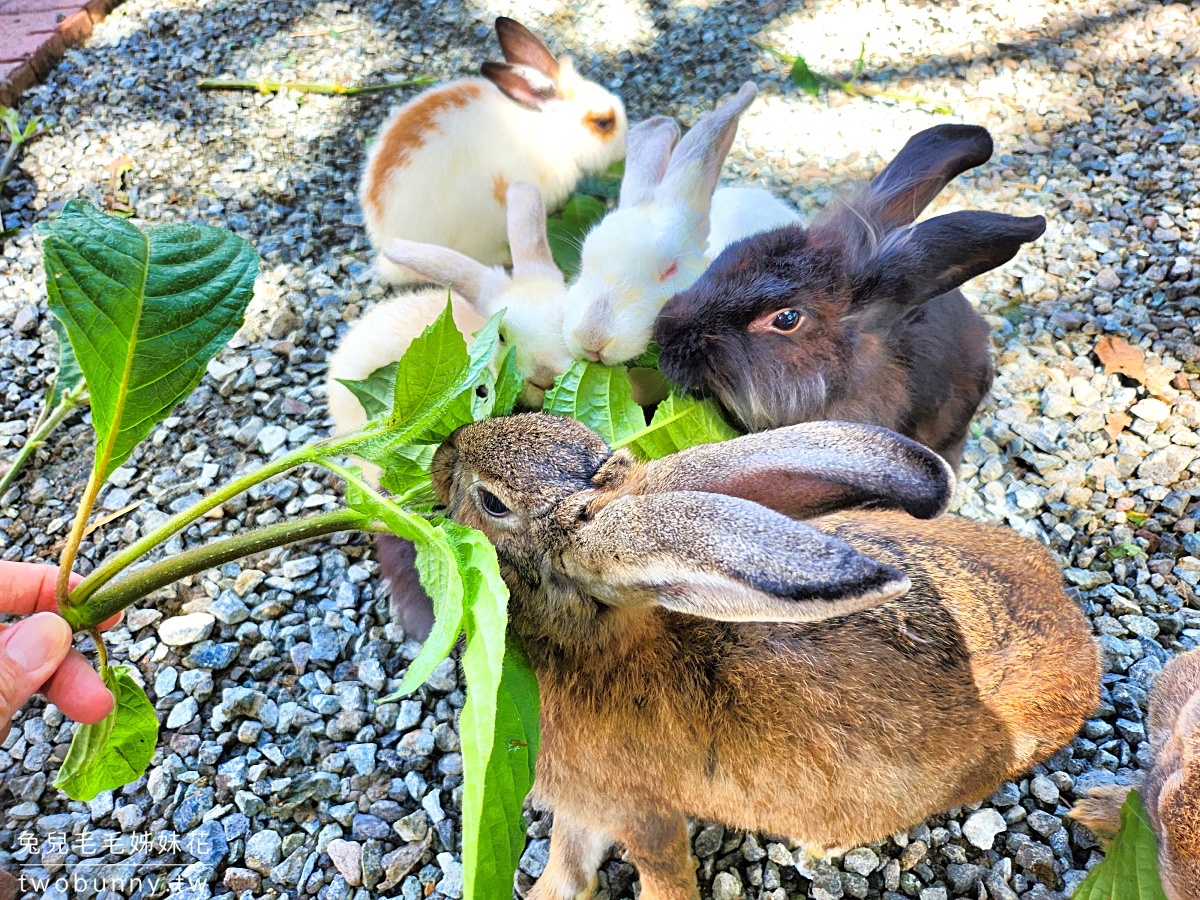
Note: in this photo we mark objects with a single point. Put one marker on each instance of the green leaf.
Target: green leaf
(406, 473)
(803, 77)
(509, 385)
(1130, 870)
(858, 66)
(649, 357)
(679, 423)
(437, 570)
(68, 377)
(607, 184)
(598, 396)
(376, 391)
(498, 726)
(565, 232)
(145, 312)
(115, 751)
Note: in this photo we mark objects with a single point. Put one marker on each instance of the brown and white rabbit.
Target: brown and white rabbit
(440, 166)
(700, 653)
(1171, 789)
(858, 318)
(531, 298)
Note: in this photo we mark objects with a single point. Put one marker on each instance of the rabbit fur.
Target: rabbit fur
(666, 228)
(1171, 789)
(439, 168)
(700, 652)
(531, 298)
(858, 318)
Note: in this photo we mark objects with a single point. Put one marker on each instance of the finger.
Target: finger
(77, 690)
(30, 651)
(27, 588)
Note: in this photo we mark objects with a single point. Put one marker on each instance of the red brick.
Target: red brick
(15, 79)
(76, 28)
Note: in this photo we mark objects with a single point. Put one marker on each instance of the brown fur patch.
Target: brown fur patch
(601, 124)
(499, 188)
(409, 133)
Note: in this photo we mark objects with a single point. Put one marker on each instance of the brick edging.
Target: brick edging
(33, 38)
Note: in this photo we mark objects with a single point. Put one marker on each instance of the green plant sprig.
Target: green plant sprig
(809, 80)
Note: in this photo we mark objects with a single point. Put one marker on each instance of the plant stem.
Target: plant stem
(266, 86)
(46, 424)
(108, 602)
(101, 650)
(67, 560)
(179, 521)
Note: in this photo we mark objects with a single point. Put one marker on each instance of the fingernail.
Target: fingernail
(30, 642)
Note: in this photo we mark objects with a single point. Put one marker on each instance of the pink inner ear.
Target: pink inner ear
(669, 271)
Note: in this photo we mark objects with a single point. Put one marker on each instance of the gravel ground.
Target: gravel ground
(277, 773)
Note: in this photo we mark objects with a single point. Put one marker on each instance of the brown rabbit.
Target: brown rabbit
(858, 318)
(701, 653)
(1171, 789)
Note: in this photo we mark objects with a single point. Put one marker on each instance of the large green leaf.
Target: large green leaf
(566, 231)
(509, 385)
(499, 726)
(437, 570)
(1130, 870)
(679, 423)
(598, 396)
(145, 312)
(69, 376)
(439, 385)
(376, 391)
(804, 77)
(115, 751)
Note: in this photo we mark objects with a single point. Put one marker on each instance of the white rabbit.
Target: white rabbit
(440, 166)
(531, 297)
(658, 240)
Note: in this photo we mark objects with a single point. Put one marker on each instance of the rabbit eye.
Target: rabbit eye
(668, 271)
(492, 504)
(503, 337)
(786, 321)
(601, 123)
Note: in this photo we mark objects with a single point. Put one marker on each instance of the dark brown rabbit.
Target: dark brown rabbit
(858, 318)
(700, 653)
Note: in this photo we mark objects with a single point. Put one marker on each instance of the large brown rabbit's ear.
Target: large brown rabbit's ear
(521, 47)
(813, 468)
(925, 165)
(942, 253)
(522, 84)
(1175, 689)
(648, 147)
(527, 229)
(441, 265)
(722, 558)
(696, 163)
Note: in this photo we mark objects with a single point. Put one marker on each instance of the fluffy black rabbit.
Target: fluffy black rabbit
(858, 318)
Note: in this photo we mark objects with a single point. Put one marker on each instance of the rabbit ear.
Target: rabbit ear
(522, 84)
(648, 148)
(722, 558)
(522, 47)
(441, 266)
(939, 254)
(925, 165)
(527, 228)
(813, 468)
(696, 163)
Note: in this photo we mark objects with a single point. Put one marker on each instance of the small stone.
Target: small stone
(1151, 410)
(451, 884)
(982, 827)
(238, 880)
(229, 609)
(1106, 280)
(347, 859)
(271, 439)
(1044, 789)
(862, 860)
(535, 858)
(727, 886)
(183, 712)
(179, 631)
(263, 851)
(165, 681)
(367, 826)
(413, 827)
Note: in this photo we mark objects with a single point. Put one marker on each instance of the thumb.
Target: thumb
(30, 651)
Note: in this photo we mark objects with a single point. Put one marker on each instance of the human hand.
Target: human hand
(36, 654)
